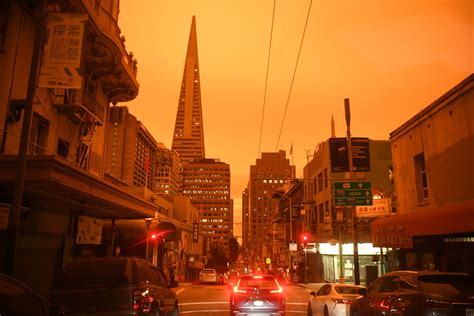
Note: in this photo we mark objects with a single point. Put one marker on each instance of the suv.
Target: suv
(257, 294)
(417, 293)
(113, 286)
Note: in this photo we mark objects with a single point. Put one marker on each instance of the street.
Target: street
(214, 299)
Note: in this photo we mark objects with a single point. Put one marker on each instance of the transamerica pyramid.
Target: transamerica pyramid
(188, 138)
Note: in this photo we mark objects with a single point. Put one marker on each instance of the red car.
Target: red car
(257, 294)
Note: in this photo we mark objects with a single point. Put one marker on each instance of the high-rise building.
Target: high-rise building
(270, 173)
(168, 171)
(188, 138)
(205, 181)
(207, 184)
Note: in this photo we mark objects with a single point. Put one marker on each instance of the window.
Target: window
(320, 182)
(421, 178)
(63, 148)
(321, 213)
(326, 178)
(4, 17)
(38, 135)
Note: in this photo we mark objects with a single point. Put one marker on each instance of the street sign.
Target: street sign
(352, 193)
(339, 154)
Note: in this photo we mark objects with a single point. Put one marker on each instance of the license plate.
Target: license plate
(469, 311)
(260, 303)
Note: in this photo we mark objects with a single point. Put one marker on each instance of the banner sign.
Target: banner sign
(89, 230)
(195, 232)
(63, 51)
(339, 154)
(379, 207)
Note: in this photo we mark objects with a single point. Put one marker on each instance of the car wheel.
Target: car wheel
(175, 311)
(309, 311)
(326, 311)
(155, 310)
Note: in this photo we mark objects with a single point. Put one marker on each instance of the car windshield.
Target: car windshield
(257, 282)
(447, 283)
(93, 273)
(347, 289)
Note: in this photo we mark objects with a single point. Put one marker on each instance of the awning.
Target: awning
(397, 231)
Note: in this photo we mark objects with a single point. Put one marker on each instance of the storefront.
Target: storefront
(369, 260)
(432, 239)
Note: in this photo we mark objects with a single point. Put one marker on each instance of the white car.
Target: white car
(208, 276)
(333, 299)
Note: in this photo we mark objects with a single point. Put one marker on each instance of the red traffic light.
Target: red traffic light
(305, 238)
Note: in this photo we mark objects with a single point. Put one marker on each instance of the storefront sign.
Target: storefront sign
(392, 236)
(195, 232)
(379, 207)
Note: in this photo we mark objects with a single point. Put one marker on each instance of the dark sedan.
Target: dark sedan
(257, 294)
(417, 293)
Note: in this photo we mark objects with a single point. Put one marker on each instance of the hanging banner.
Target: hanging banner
(63, 51)
(195, 232)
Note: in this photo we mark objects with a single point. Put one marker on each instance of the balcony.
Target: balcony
(80, 106)
(105, 58)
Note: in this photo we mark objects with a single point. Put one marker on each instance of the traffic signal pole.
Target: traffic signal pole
(355, 233)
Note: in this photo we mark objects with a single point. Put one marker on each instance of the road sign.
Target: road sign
(352, 193)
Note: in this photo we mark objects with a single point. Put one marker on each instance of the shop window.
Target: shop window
(38, 135)
(421, 178)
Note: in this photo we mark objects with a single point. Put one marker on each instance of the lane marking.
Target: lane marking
(204, 311)
(180, 290)
(296, 303)
(202, 303)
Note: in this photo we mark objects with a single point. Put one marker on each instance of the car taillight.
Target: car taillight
(341, 301)
(141, 300)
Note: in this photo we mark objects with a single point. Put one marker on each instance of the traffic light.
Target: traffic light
(305, 238)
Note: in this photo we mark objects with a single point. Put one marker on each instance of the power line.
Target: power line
(294, 75)
(266, 80)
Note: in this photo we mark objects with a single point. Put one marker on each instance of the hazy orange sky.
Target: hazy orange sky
(391, 58)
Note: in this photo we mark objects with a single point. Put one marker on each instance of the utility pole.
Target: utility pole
(15, 210)
(355, 233)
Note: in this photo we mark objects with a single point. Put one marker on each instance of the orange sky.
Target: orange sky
(391, 58)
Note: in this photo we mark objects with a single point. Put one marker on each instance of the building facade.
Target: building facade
(432, 158)
(52, 148)
(206, 182)
(331, 224)
(270, 173)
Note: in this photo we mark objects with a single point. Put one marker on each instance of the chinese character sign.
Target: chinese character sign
(64, 43)
(63, 51)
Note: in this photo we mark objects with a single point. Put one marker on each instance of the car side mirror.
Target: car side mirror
(312, 293)
(362, 291)
(174, 283)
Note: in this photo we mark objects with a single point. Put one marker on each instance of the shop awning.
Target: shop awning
(397, 231)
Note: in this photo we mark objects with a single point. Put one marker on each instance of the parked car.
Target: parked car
(113, 286)
(18, 299)
(416, 293)
(333, 299)
(257, 294)
(208, 276)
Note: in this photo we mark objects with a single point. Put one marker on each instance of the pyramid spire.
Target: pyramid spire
(188, 138)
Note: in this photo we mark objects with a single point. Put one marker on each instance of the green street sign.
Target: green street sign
(352, 193)
(353, 185)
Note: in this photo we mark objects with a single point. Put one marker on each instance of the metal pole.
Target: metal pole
(341, 264)
(355, 234)
(305, 265)
(15, 210)
(112, 242)
(291, 239)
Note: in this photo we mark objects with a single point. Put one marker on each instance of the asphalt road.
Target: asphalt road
(214, 299)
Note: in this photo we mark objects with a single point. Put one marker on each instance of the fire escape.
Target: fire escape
(82, 108)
